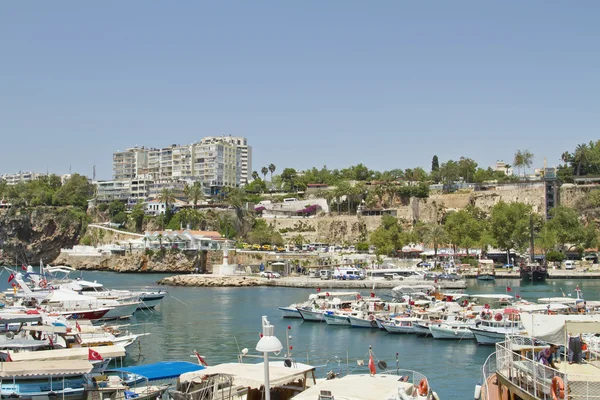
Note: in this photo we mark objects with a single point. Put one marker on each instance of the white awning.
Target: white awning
(76, 353)
(252, 375)
(44, 368)
(554, 328)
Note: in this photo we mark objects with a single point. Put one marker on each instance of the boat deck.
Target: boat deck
(492, 392)
(580, 372)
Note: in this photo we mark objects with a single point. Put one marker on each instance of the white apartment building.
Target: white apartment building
(21, 177)
(216, 165)
(140, 187)
(245, 153)
(130, 163)
(107, 191)
(182, 164)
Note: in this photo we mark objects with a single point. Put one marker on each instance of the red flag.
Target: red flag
(51, 341)
(201, 360)
(372, 364)
(94, 356)
(517, 296)
(508, 289)
(11, 277)
(372, 294)
(23, 267)
(8, 357)
(77, 326)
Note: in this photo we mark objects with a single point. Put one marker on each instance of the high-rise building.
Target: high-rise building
(130, 163)
(216, 165)
(245, 153)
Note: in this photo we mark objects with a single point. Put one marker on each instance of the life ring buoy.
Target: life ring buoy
(43, 283)
(371, 317)
(558, 388)
(423, 387)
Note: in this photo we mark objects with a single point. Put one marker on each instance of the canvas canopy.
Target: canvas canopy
(253, 375)
(161, 370)
(44, 368)
(554, 328)
(77, 353)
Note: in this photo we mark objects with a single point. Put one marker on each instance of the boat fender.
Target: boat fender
(477, 394)
(371, 317)
(558, 388)
(498, 317)
(423, 387)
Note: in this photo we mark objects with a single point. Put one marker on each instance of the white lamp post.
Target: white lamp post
(268, 343)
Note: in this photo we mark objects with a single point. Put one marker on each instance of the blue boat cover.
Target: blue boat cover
(161, 370)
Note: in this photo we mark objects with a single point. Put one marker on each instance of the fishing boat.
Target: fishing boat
(400, 325)
(486, 270)
(456, 330)
(491, 330)
(533, 272)
(338, 318)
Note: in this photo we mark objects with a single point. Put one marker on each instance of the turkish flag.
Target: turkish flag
(23, 267)
(11, 277)
(201, 360)
(94, 355)
(508, 289)
(372, 368)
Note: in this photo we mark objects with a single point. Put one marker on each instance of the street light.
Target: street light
(268, 343)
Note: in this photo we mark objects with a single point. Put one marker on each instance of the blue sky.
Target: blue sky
(310, 83)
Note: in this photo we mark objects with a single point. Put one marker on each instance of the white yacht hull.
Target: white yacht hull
(334, 319)
(356, 322)
(150, 300)
(289, 312)
(309, 315)
(487, 337)
(393, 328)
(124, 310)
(441, 332)
(421, 330)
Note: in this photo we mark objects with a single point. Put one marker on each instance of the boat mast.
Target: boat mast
(531, 243)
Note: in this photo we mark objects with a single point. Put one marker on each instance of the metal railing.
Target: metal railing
(515, 362)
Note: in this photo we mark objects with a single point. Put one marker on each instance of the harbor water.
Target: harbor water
(219, 322)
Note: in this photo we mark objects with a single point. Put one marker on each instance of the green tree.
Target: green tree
(509, 225)
(388, 237)
(449, 173)
(254, 175)
(466, 169)
(566, 225)
(264, 171)
(75, 192)
(271, 168)
(194, 193)
(546, 239)
(435, 235)
(464, 230)
(114, 208)
(435, 164)
(166, 197)
(522, 159)
(137, 216)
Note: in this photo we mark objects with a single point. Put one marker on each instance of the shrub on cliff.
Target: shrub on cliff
(75, 192)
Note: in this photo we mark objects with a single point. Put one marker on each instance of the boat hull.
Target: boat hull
(440, 332)
(309, 315)
(484, 337)
(356, 322)
(486, 277)
(393, 328)
(535, 276)
(124, 310)
(289, 312)
(338, 320)
(421, 330)
(85, 314)
(150, 300)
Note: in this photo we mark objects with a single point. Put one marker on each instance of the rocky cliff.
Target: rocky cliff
(29, 235)
(135, 262)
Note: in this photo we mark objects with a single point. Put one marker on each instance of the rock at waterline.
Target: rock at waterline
(211, 281)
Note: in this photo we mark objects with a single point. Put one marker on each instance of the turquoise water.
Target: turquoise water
(217, 322)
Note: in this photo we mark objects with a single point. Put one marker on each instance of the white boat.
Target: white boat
(486, 270)
(454, 331)
(290, 312)
(62, 301)
(494, 330)
(311, 314)
(363, 321)
(335, 318)
(400, 325)
(407, 385)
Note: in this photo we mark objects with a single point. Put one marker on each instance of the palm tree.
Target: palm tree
(271, 170)
(518, 161)
(264, 171)
(435, 235)
(167, 197)
(254, 175)
(527, 159)
(194, 193)
(579, 157)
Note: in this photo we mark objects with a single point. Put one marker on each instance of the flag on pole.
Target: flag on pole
(8, 357)
(23, 267)
(201, 360)
(517, 296)
(508, 289)
(77, 326)
(372, 368)
(94, 355)
(11, 277)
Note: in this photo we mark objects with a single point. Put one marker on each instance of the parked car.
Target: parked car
(325, 274)
(270, 274)
(430, 276)
(569, 264)
(449, 277)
